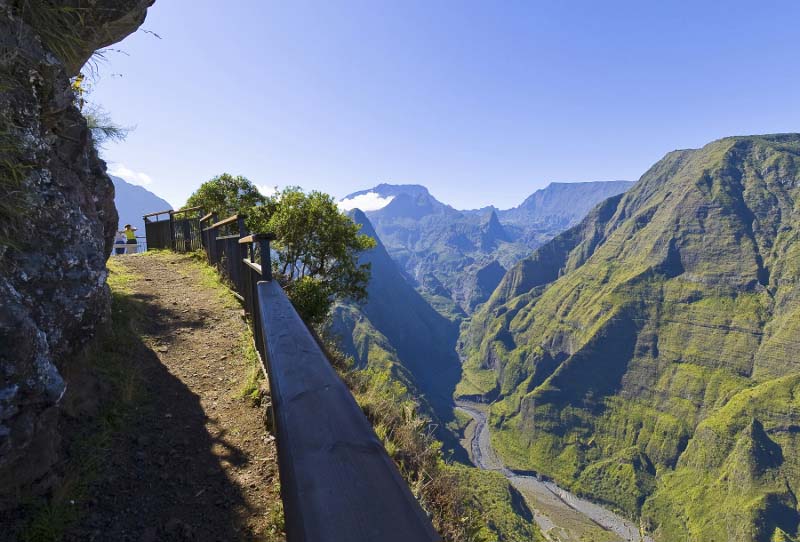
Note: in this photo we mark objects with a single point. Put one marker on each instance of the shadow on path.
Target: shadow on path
(188, 460)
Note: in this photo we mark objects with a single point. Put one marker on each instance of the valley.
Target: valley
(644, 357)
(561, 515)
(581, 325)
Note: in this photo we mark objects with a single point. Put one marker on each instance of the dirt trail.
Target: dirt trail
(196, 463)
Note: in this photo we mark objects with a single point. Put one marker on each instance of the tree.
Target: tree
(226, 195)
(317, 247)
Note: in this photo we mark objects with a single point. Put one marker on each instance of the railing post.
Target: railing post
(212, 241)
(266, 264)
(242, 228)
(172, 230)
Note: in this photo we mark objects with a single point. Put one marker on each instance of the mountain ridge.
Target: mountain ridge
(641, 335)
(134, 201)
(441, 248)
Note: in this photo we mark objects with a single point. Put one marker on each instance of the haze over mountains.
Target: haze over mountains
(457, 258)
(397, 329)
(133, 202)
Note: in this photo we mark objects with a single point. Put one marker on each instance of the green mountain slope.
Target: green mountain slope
(397, 332)
(397, 329)
(649, 357)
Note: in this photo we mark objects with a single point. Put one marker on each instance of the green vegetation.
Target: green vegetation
(318, 249)
(251, 388)
(744, 459)
(59, 27)
(226, 195)
(460, 509)
(13, 168)
(315, 270)
(642, 357)
(504, 513)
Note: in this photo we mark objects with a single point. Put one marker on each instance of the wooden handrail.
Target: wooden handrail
(225, 221)
(157, 213)
(186, 210)
(206, 217)
(254, 238)
(252, 265)
(338, 484)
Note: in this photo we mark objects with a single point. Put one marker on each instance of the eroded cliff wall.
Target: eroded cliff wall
(57, 220)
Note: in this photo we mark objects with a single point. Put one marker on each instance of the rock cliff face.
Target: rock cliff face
(57, 220)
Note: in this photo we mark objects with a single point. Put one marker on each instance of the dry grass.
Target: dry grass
(408, 437)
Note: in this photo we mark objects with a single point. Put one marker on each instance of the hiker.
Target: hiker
(119, 243)
(130, 235)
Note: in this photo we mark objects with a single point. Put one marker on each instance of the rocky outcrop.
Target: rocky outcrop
(57, 220)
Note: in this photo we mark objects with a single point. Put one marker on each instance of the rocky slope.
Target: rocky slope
(648, 356)
(396, 329)
(453, 256)
(57, 220)
(561, 205)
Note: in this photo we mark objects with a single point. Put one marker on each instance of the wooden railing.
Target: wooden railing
(337, 481)
(179, 232)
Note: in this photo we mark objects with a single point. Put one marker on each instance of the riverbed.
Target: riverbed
(562, 516)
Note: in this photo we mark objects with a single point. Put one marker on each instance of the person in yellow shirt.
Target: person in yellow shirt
(130, 236)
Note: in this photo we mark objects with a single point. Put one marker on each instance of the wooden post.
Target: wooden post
(172, 230)
(266, 264)
(187, 235)
(212, 242)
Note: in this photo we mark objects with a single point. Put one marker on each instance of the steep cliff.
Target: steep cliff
(648, 356)
(57, 220)
(397, 329)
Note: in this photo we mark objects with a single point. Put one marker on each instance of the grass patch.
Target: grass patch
(59, 27)
(211, 278)
(13, 169)
(251, 388)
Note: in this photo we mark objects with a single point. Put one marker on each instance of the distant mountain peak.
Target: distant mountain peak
(133, 201)
(378, 197)
(563, 203)
(492, 232)
(387, 190)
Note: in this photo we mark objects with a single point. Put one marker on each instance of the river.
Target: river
(562, 516)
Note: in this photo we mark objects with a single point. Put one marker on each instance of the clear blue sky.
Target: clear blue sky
(483, 102)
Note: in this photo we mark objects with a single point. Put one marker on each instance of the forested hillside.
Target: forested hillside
(648, 357)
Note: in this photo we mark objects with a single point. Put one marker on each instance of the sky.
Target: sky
(482, 102)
